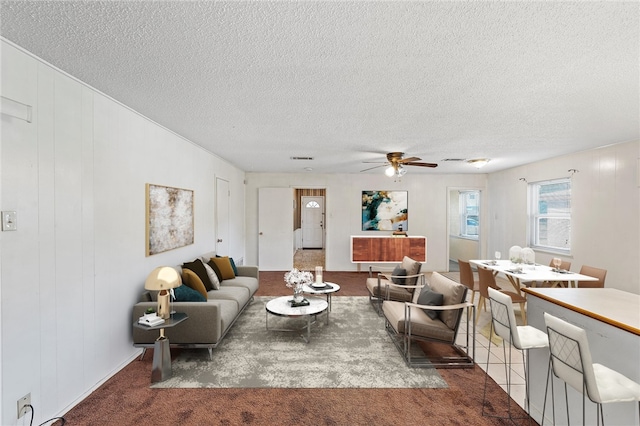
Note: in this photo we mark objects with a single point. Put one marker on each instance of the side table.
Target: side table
(328, 289)
(161, 367)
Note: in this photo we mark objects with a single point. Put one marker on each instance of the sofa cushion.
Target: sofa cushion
(399, 272)
(452, 292)
(224, 265)
(215, 281)
(190, 279)
(240, 295)
(198, 267)
(249, 283)
(429, 297)
(184, 293)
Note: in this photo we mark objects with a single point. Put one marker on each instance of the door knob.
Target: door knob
(260, 233)
(219, 240)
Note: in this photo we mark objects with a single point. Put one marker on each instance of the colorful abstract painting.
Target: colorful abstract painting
(169, 218)
(385, 211)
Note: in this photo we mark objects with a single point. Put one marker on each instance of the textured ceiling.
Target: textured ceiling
(346, 82)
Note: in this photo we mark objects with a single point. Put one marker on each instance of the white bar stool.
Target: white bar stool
(522, 337)
(570, 360)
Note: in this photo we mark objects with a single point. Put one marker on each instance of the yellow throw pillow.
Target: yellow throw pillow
(191, 279)
(224, 265)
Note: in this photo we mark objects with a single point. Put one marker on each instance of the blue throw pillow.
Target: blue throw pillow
(184, 293)
(429, 297)
(233, 265)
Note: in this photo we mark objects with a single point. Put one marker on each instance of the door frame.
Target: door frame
(481, 220)
(322, 213)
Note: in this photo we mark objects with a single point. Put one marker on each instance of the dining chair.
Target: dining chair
(570, 360)
(488, 280)
(522, 337)
(565, 265)
(591, 271)
(467, 278)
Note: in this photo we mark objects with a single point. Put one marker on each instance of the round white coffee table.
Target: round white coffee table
(328, 289)
(281, 306)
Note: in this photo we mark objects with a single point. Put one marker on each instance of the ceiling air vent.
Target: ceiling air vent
(453, 159)
(301, 158)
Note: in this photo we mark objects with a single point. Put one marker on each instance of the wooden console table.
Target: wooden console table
(387, 249)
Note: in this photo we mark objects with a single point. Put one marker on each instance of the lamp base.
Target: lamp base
(163, 304)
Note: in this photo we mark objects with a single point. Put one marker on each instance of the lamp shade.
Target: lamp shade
(163, 278)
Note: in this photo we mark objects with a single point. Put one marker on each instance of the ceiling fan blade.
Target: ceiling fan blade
(374, 167)
(375, 162)
(421, 164)
(409, 160)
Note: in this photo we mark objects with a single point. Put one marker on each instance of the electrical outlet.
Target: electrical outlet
(22, 405)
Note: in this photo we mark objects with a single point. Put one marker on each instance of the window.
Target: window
(312, 205)
(469, 213)
(550, 215)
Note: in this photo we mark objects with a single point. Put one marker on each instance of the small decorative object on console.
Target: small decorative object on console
(296, 279)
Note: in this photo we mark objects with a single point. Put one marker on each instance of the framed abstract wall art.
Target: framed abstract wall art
(169, 218)
(385, 211)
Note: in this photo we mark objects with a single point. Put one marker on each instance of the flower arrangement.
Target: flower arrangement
(295, 278)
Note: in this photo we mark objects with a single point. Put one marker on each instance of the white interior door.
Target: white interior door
(312, 222)
(222, 217)
(275, 229)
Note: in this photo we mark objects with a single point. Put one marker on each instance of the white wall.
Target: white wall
(605, 214)
(71, 273)
(605, 210)
(427, 209)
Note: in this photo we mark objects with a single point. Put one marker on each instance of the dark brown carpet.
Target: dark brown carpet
(126, 398)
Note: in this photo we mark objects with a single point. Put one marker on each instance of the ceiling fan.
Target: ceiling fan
(396, 163)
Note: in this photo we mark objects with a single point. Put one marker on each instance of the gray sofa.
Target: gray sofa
(208, 322)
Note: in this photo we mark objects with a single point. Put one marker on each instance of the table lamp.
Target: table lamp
(162, 279)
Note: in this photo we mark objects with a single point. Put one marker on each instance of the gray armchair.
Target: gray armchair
(408, 322)
(400, 287)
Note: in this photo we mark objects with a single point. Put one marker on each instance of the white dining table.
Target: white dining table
(523, 273)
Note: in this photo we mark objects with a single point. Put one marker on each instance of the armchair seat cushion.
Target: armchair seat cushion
(395, 293)
(421, 325)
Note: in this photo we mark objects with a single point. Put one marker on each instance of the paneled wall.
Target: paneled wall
(605, 214)
(71, 272)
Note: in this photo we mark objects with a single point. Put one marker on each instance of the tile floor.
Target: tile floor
(496, 366)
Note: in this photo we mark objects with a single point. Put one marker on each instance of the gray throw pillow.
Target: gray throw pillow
(429, 297)
(399, 272)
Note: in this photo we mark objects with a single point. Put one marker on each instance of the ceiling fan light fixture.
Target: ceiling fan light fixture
(478, 162)
(390, 171)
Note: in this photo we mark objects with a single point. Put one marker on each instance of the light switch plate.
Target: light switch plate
(9, 221)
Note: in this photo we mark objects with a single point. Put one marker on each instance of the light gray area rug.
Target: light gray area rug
(352, 351)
